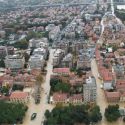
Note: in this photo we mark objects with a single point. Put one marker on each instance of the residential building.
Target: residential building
(19, 97)
(58, 54)
(53, 33)
(6, 50)
(50, 27)
(84, 62)
(2, 33)
(59, 98)
(108, 81)
(122, 97)
(40, 51)
(89, 90)
(36, 62)
(61, 71)
(65, 98)
(36, 43)
(14, 62)
(112, 96)
(76, 99)
(67, 61)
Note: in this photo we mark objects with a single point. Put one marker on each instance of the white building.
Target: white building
(40, 51)
(14, 62)
(50, 27)
(58, 54)
(89, 90)
(53, 33)
(36, 62)
(35, 43)
(67, 61)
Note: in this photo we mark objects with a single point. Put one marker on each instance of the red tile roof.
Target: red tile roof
(61, 70)
(19, 95)
(60, 96)
(106, 74)
(112, 94)
(76, 97)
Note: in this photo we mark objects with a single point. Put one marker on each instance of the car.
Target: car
(33, 116)
(101, 86)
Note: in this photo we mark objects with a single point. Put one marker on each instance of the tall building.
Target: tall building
(89, 90)
(14, 62)
(36, 62)
(58, 54)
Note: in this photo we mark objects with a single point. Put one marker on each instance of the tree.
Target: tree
(27, 56)
(39, 79)
(17, 87)
(112, 113)
(79, 72)
(11, 113)
(95, 114)
(64, 87)
(2, 64)
(5, 90)
(22, 44)
(124, 119)
(69, 115)
(47, 114)
(77, 35)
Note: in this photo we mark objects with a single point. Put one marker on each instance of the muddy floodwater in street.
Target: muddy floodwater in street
(101, 101)
(40, 108)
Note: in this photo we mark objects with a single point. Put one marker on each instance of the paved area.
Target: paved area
(41, 108)
(101, 101)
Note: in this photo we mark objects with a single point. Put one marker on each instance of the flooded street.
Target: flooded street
(101, 101)
(40, 108)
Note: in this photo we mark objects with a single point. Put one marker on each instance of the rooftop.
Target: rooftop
(19, 95)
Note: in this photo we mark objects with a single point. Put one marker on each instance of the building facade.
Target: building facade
(89, 90)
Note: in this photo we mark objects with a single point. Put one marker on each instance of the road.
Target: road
(101, 101)
(41, 108)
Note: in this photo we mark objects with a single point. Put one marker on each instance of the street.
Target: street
(40, 108)
(101, 101)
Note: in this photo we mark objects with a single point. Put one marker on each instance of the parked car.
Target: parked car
(33, 116)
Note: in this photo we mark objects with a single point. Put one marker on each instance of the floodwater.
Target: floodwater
(101, 101)
(43, 106)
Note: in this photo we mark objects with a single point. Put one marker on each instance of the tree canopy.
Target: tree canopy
(58, 85)
(112, 113)
(11, 113)
(70, 115)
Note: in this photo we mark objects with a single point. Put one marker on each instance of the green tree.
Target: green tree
(64, 87)
(22, 44)
(124, 119)
(2, 64)
(5, 90)
(95, 114)
(47, 114)
(11, 113)
(17, 87)
(26, 56)
(112, 113)
(69, 115)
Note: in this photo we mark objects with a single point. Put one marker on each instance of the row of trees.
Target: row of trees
(37, 91)
(11, 113)
(70, 115)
